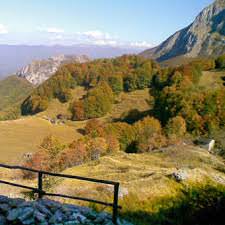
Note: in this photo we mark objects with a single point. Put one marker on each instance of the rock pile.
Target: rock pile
(48, 212)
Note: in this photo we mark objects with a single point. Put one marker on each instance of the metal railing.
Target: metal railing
(41, 192)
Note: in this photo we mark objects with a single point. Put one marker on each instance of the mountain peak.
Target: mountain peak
(39, 71)
(204, 37)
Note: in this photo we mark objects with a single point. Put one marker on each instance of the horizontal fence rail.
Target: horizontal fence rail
(41, 192)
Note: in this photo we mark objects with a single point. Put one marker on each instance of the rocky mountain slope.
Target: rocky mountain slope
(204, 37)
(40, 70)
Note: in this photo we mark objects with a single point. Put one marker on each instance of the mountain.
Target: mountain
(14, 57)
(204, 37)
(39, 71)
(13, 89)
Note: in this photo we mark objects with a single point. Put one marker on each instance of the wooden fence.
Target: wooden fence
(41, 192)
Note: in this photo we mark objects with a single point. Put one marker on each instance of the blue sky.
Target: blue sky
(115, 22)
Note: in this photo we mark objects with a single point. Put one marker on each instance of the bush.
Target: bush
(39, 161)
(124, 132)
(96, 147)
(176, 128)
(130, 83)
(52, 145)
(116, 83)
(75, 155)
(94, 128)
(148, 134)
(77, 110)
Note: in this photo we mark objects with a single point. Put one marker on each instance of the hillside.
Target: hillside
(149, 192)
(146, 180)
(25, 135)
(204, 37)
(13, 90)
(144, 138)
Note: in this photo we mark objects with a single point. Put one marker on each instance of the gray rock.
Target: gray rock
(47, 212)
(26, 214)
(2, 220)
(180, 175)
(13, 214)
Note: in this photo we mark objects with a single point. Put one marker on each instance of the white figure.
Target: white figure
(211, 145)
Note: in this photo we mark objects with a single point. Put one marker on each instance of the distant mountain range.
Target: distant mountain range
(14, 57)
(205, 37)
(39, 71)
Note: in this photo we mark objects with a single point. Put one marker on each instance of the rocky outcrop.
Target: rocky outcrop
(39, 71)
(204, 37)
(47, 212)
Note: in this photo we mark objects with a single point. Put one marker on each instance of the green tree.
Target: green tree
(130, 83)
(116, 83)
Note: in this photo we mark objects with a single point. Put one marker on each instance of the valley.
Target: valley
(151, 117)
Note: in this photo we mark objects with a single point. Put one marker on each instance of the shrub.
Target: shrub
(124, 132)
(113, 143)
(148, 134)
(130, 83)
(52, 146)
(75, 155)
(176, 127)
(39, 161)
(77, 110)
(94, 128)
(96, 147)
(116, 83)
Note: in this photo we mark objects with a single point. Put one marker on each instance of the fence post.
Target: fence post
(40, 188)
(115, 203)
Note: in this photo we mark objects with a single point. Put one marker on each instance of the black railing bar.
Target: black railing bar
(81, 199)
(81, 178)
(20, 185)
(58, 195)
(61, 175)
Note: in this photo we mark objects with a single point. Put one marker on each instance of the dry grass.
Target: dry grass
(145, 175)
(212, 79)
(133, 100)
(145, 179)
(25, 135)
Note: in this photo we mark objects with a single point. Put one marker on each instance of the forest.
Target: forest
(179, 108)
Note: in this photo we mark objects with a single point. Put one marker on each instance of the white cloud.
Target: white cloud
(142, 44)
(96, 37)
(96, 34)
(3, 29)
(53, 30)
(55, 35)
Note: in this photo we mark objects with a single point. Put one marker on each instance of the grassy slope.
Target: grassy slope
(25, 134)
(145, 178)
(13, 90)
(212, 79)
